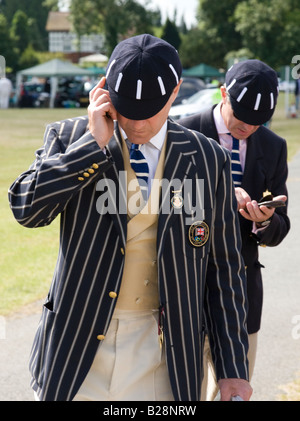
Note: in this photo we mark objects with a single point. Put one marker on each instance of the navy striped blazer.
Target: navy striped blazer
(198, 286)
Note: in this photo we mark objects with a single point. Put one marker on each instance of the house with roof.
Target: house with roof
(63, 39)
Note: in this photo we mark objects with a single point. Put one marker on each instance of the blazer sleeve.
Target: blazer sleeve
(280, 222)
(226, 302)
(69, 160)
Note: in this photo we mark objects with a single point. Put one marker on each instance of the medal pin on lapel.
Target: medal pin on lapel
(177, 199)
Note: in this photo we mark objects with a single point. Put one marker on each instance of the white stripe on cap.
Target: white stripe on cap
(272, 100)
(139, 89)
(110, 66)
(257, 102)
(161, 85)
(118, 82)
(174, 71)
(245, 89)
(231, 84)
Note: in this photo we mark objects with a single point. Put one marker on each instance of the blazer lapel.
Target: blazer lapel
(254, 171)
(116, 175)
(179, 167)
(207, 124)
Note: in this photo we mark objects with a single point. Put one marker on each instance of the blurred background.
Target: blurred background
(56, 50)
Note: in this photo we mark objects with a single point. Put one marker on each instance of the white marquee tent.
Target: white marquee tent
(94, 58)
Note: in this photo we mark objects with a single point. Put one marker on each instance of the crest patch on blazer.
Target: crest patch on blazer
(198, 233)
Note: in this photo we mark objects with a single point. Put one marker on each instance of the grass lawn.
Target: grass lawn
(28, 256)
(288, 128)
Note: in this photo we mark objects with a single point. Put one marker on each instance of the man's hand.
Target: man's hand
(234, 387)
(101, 114)
(251, 210)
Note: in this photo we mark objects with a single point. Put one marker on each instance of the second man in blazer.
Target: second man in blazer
(248, 101)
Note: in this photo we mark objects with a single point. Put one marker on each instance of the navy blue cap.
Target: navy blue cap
(142, 73)
(253, 90)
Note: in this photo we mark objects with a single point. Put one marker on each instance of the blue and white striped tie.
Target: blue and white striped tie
(237, 172)
(140, 166)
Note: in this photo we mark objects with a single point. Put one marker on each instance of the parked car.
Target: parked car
(200, 101)
(73, 93)
(67, 93)
(34, 94)
(189, 86)
(286, 86)
(83, 95)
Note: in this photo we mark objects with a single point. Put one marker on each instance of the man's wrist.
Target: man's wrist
(264, 224)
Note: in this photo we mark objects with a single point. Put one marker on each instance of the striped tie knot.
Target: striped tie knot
(236, 168)
(140, 167)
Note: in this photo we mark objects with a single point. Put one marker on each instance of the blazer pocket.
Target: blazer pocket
(41, 343)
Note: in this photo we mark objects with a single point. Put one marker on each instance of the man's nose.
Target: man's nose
(248, 127)
(138, 124)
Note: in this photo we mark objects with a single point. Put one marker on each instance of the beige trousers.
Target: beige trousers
(209, 388)
(129, 364)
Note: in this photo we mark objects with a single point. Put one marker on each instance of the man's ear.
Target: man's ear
(223, 93)
(176, 90)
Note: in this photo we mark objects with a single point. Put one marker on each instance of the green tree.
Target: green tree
(171, 34)
(197, 47)
(218, 32)
(19, 31)
(28, 58)
(182, 27)
(116, 19)
(24, 36)
(270, 29)
(34, 9)
(6, 44)
(51, 5)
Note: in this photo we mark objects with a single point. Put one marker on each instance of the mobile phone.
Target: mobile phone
(272, 203)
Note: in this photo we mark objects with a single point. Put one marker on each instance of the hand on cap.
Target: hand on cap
(101, 114)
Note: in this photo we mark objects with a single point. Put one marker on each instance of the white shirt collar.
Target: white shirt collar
(158, 140)
(220, 125)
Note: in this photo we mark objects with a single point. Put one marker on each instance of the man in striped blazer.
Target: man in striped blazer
(136, 279)
(248, 102)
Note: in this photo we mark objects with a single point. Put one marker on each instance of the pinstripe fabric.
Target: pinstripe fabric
(196, 284)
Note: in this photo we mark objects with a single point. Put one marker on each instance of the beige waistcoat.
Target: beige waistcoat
(139, 287)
